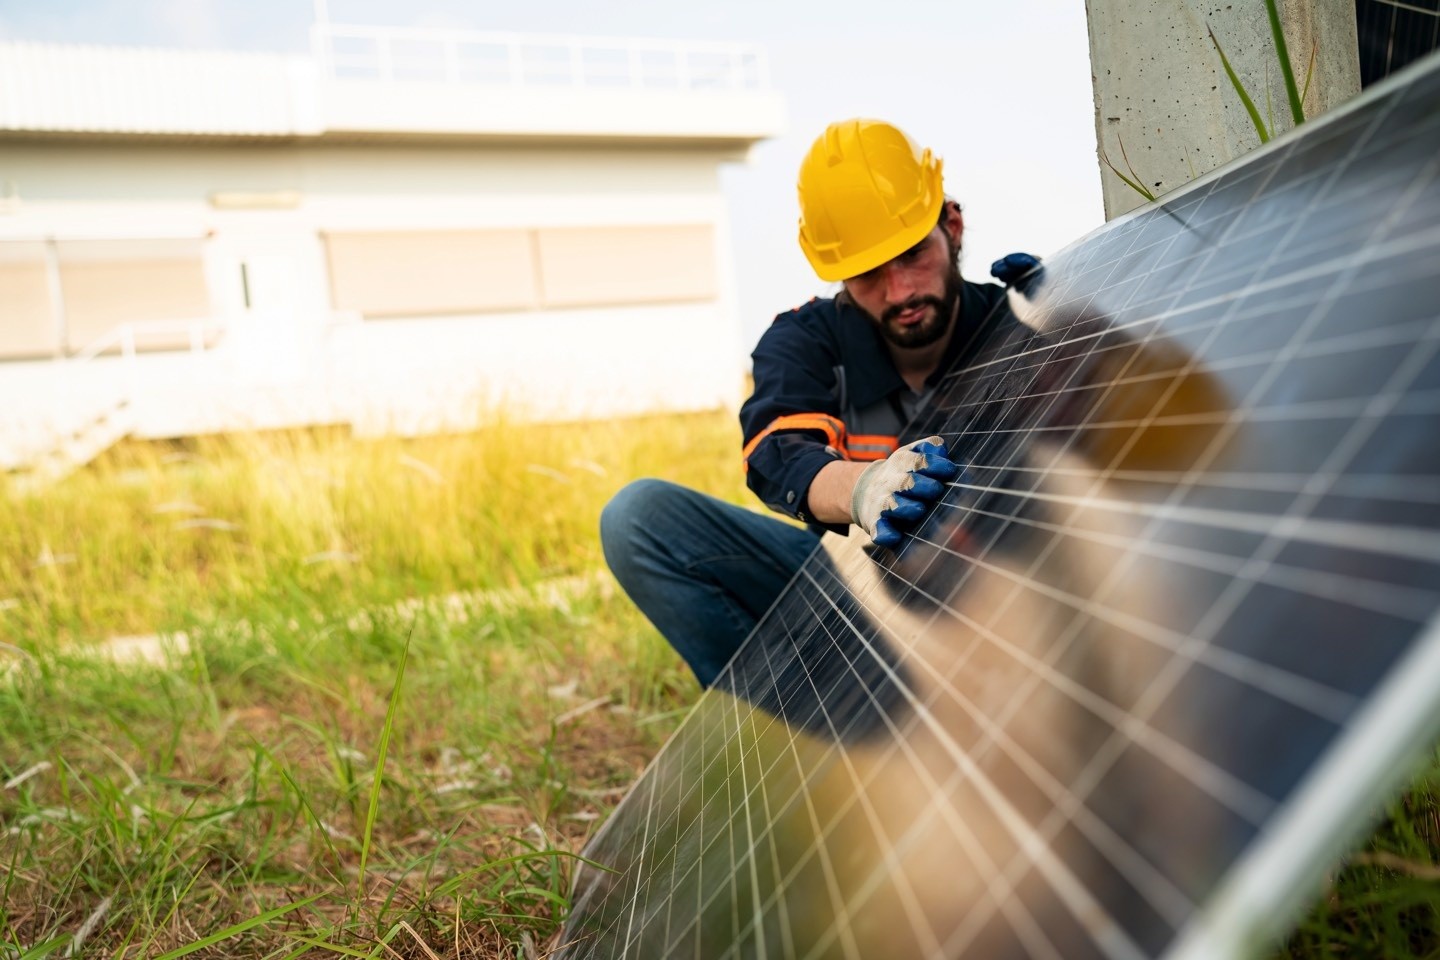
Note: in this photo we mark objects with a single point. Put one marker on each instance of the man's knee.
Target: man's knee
(629, 520)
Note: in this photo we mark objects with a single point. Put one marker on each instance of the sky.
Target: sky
(1001, 91)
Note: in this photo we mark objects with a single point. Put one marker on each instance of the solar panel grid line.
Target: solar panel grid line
(776, 899)
(688, 791)
(1395, 336)
(681, 839)
(1421, 489)
(707, 901)
(1113, 940)
(1386, 597)
(1215, 781)
(1411, 31)
(677, 743)
(1152, 885)
(1160, 685)
(769, 818)
(670, 822)
(919, 924)
(831, 882)
(640, 866)
(1106, 930)
(1017, 698)
(709, 890)
(1400, 4)
(834, 733)
(1033, 503)
(650, 798)
(1213, 616)
(1195, 467)
(751, 846)
(837, 734)
(716, 757)
(771, 814)
(729, 847)
(1317, 698)
(674, 859)
(1372, 538)
(1291, 521)
(1152, 415)
(1311, 834)
(770, 925)
(691, 924)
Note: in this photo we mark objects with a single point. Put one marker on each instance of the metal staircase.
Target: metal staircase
(85, 422)
(74, 448)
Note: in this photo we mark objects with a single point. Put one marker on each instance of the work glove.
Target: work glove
(1023, 275)
(894, 493)
(1018, 270)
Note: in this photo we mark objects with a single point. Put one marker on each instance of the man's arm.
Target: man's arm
(832, 489)
(791, 424)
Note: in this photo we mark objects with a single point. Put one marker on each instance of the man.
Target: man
(835, 383)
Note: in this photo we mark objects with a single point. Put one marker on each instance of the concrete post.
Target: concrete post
(1162, 98)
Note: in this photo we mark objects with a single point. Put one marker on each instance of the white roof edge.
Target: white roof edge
(106, 91)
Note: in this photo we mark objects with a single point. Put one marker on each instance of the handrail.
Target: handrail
(515, 59)
(125, 336)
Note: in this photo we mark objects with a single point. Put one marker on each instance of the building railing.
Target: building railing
(127, 336)
(403, 54)
(128, 339)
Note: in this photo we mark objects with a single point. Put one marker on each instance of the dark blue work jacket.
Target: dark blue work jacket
(825, 388)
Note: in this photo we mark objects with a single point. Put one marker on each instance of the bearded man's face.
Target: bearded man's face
(912, 299)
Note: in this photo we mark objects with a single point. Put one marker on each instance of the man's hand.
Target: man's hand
(1019, 270)
(895, 492)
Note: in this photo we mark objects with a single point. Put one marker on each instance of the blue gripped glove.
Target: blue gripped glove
(895, 492)
(1023, 275)
(1018, 270)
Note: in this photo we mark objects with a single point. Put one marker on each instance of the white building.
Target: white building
(398, 232)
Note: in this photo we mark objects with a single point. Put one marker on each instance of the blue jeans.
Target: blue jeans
(704, 571)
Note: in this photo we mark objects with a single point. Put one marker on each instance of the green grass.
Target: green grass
(179, 805)
(331, 772)
(1384, 902)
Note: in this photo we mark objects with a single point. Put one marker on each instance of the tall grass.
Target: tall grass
(155, 537)
(284, 789)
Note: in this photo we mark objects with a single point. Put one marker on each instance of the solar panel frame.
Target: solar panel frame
(1285, 824)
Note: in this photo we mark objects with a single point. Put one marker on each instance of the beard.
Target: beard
(932, 328)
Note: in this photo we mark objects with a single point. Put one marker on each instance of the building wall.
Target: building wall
(1165, 112)
(387, 285)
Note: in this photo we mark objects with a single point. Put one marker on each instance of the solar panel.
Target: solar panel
(1162, 647)
(1393, 34)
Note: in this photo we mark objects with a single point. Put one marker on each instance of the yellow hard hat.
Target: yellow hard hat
(867, 194)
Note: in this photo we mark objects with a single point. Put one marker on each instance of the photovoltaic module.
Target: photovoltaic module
(1162, 648)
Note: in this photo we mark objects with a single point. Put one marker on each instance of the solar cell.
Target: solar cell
(1158, 651)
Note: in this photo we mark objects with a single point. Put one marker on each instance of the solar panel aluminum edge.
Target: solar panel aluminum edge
(1157, 652)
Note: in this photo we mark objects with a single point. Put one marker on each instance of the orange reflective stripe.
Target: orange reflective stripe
(833, 429)
(870, 446)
